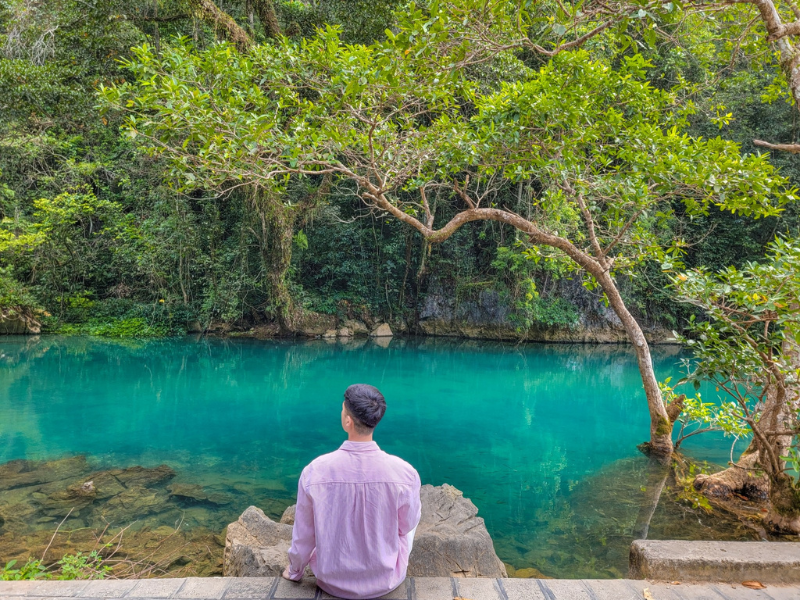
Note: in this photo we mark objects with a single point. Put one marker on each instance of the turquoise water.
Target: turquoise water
(541, 437)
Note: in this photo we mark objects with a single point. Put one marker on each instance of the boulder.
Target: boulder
(18, 321)
(329, 334)
(357, 327)
(451, 540)
(344, 332)
(382, 330)
(313, 324)
(256, 546)
(288, 515)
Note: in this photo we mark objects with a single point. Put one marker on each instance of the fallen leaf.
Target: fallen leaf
(675, 582)
(754, 585)
(647, 595)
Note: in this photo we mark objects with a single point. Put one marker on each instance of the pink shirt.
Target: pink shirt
(355, 508)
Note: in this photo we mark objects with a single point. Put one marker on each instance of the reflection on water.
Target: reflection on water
(541, 437)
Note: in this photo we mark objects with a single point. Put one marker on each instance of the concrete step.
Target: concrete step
(673, 560)
(413, 588)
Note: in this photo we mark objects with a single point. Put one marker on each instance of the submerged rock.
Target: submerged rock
(23, 473)
(195, 494)
(451, 540)
(133, 503)
(143, 476)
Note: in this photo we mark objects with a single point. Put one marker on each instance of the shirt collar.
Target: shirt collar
(349, 446)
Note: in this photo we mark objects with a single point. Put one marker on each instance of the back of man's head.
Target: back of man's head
(366, 406)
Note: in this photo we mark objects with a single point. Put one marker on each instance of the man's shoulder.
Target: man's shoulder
(322, 461)
(401, 468)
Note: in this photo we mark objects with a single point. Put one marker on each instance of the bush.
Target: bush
(71, 566)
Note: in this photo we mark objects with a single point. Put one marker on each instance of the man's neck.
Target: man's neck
(354, 437)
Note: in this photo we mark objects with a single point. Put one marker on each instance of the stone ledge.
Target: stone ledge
(730, 562)
(413, 588)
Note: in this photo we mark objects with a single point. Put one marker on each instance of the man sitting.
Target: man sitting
(357, 509)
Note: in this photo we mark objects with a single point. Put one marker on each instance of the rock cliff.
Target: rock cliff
(17, 321)
(451, 540)
(487, 315)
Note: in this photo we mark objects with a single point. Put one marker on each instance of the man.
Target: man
(357, 509)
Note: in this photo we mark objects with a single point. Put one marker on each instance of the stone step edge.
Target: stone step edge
(775, 563)
(413, 588)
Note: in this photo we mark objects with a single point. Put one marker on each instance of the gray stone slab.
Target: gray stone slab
(730, 562)
(737, 592)
(250, 587)
(304, 590)
(65, 589)
(108, 588)
(566, 589)
(156, 588)
(612, 589)
(478, 588)
(433, 588)
(782, 593)
(16, 588)
(695, 592)
(212, 588)
(521, 589)
(401, 592)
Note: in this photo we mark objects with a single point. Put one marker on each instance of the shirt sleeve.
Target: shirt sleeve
(411, 510)
(303, 537)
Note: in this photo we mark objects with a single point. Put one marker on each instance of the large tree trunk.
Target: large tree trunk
(661, 422)
(222, 22)
(277, 228)
(269, 20)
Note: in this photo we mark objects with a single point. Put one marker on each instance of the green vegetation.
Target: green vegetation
(86, 214)
(71, 566)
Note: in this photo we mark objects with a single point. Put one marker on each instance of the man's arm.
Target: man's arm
(410, 512)
(303, 538)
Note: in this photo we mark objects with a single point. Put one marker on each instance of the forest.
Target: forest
(101, 235)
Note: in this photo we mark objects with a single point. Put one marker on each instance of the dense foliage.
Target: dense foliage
(99, 237)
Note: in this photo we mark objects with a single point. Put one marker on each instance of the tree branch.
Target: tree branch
(793, 148)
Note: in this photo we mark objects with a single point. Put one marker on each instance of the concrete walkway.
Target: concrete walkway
(418, 588)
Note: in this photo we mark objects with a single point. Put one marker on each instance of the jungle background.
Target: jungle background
(96, 238)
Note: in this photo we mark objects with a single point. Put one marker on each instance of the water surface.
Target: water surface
(541, 437)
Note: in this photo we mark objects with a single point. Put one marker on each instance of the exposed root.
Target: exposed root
(743, 480)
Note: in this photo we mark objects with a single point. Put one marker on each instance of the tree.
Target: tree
(749, 348)
(604, 152)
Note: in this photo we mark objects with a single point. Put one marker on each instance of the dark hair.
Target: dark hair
(366, 406)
